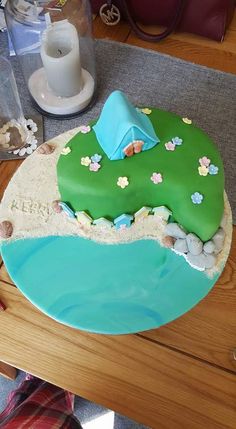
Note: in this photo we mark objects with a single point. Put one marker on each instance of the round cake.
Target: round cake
(123, 214)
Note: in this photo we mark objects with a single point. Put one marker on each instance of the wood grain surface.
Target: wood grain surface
(8, 371)
(144, 380)
(181, 376)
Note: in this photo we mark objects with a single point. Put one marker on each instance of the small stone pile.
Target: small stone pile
(200, 255)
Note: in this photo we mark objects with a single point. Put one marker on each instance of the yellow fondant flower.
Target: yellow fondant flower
(122, 182)
(203, 170)
(146, 111)
(65, 151)
(187, 121)
(85, 161)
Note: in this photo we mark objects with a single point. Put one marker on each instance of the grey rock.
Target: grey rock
(218, 240)
(181, 245)
(202, 261)
(210, 260)
(194, 243)
(209, 247)
(175, 230)
(197, 260)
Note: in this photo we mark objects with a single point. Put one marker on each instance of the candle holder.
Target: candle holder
(53, 42)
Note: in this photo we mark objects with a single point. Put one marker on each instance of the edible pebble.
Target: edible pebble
(6, 229)
(56, 206)
(175, 230)
(210, 261)
(194, 243)
(196, 260)
(168, 241)
(181, 245)
(209, 247)
(218, 240)
(202, 261)
(46, 149)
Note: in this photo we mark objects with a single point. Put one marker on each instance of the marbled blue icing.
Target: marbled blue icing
(113, 289)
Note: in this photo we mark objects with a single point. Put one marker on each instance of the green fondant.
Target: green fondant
(97, 193)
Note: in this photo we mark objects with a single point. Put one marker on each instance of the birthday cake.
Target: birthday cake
(134, 173)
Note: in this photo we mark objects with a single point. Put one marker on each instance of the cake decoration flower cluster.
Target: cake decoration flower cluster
(197, 198)
(187, 121)
(206, 167)
(93, 163)
(122, 182)
(156, 178)
(175, 141)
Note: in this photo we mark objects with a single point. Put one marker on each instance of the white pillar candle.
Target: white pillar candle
(61, 58)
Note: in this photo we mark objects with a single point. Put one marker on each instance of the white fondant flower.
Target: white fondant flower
(122, 182)
(85, 161)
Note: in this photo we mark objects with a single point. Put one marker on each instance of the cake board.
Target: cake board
(110, 289)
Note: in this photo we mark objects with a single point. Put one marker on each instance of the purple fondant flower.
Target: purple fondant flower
(84, 129)
(204, 161)
(156, 178)
(197, 198)
(177, 141)
(94, 166)
(170, 146)
(213, 169)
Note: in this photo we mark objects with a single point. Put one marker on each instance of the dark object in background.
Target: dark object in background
(208, 18)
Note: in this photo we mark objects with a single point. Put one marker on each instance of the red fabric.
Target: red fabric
(36, 404)
(208, 18)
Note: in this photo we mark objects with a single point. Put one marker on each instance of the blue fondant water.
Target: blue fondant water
(112, 289)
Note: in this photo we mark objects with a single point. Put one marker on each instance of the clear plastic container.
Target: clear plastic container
(54, 44)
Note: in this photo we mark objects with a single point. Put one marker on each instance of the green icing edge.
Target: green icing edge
(97, 193)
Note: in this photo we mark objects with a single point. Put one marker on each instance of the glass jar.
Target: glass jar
(53, 42)
(12, 128)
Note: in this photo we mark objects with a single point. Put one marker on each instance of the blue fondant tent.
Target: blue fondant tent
(120, 124)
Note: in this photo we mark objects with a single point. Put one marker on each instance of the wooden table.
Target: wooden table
(182, 375)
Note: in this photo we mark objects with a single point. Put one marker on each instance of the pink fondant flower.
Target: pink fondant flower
(122, 182)
(170, 146)
(203, 170)
(94, 166)
(204, 161)
(156, 178)
(84, 129)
